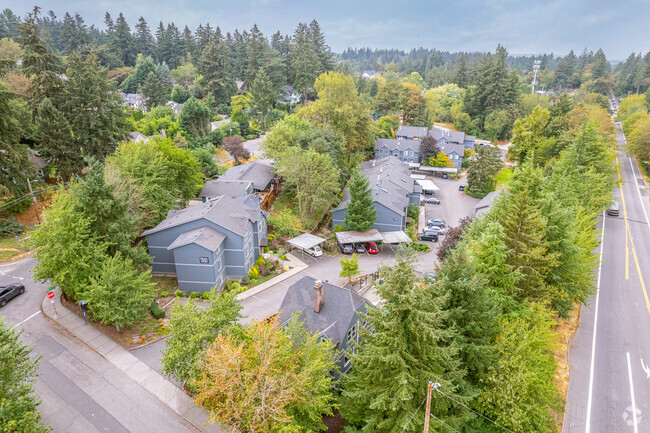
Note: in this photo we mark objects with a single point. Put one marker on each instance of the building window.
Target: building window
(352, 342)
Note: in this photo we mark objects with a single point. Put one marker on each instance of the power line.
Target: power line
(412, 416)
(472, 410)
(448, 426)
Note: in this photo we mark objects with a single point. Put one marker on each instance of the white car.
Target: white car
(314, 251)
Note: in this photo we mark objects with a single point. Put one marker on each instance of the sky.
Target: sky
(522, 26)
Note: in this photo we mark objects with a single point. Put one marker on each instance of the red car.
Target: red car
(371, 247)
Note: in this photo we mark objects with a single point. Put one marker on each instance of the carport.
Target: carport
(391, 238)
(428, 187)
(352, 237)
(305, 241)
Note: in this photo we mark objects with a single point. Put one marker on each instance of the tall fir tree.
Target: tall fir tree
(153, 92)
(216, 67)
(409, 346)
(55, 142)
(320, 47)
(360, 212)
(144, 43)
(264, 96)
(305, 62)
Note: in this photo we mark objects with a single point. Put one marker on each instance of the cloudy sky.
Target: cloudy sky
(522, 26)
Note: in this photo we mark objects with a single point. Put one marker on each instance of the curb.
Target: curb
(136, 370)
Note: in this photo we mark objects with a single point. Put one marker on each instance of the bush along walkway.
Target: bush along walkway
(137, 370)
(295, 266)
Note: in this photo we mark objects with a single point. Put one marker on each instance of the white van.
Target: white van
(314, 251)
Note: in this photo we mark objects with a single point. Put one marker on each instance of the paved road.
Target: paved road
(609, 386)
(81, 391)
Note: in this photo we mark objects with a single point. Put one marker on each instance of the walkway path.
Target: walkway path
(135, 369)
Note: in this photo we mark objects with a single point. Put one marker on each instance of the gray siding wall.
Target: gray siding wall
(344, 366)
(414, 198)
(236, 256)
(387, 220)
(196, 276)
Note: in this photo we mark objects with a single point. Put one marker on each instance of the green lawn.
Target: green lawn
(503, 177)
(9, 248)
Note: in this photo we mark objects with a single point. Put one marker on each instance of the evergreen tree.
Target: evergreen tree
(195, 118)
(216, 68)
(256, 52)
(320, 48)
(153, 92)
(564, 70)
(143, 39)
(93, 108)
(305, 61)
(360, 211)
(122, 43)
(16, 167)
(38, 64)
(410, 345)
(470, 311)
(188, 43)
(461, 73)
(264, 96)
(55, 142)
(524, 232)
(18, 371)
(133, 82)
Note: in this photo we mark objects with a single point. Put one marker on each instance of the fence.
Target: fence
(363, 283)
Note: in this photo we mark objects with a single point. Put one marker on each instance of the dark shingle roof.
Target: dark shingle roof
(259, 172)
(231, 188)
(390, 182)
(207, 237)
(230, 213)
(339, 307)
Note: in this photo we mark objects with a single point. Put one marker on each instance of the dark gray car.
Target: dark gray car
(7, 293)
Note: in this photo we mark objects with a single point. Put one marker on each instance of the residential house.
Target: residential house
(138, 136)
(451, 143)
(133, 100)
(329, 311)
(289, 96)
(392, 189)
(259, 173)
(206, 244)
(486, 202)
(405, 150)
(231, 188)
(368, 74)
(241, 86)
(175, 106)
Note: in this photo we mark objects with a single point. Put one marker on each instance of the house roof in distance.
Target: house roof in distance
(232, 188)
(260, 172)
(412, 131)
(399, 144)
(339, 307)
(207, 237)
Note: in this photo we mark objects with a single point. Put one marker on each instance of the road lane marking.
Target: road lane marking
(638, 190)
(627, 255)
(628, 233)
(18, 324)
(629, 373)
(593, 343)
(646, 369)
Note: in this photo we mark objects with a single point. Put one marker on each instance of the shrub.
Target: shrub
(156, 312)
(194, 295)
(284, 223)
(260, 260)
(205, 295)
(245, 280)
(254, 272)
(164, 294)
(179, 293)
(263, 269)
(420, 247)
(271, 237)
(10, 227)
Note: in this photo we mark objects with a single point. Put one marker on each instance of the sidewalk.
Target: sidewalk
(292, 262)
(137, 370)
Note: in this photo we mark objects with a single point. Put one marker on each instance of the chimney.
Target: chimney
(318, 296)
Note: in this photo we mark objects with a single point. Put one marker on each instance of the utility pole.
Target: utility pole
(536, 65)
(427, 416)
(34, 199)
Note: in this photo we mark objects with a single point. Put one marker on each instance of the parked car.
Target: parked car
(435, 229)
(461, 187)
(314, 251)
(371, 247)
(7, 293)
(444, 176)
(432, 200)
(347, 249)
(429, 236)
(438, 222)
(359, 248)
(613, 209)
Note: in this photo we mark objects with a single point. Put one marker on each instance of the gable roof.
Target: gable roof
(259, 172)
(232, 188)
(412, 131)
(398, 144)
(339, 307)
(230, 213)
(390, 183)
(206, 236)
(449, 148)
